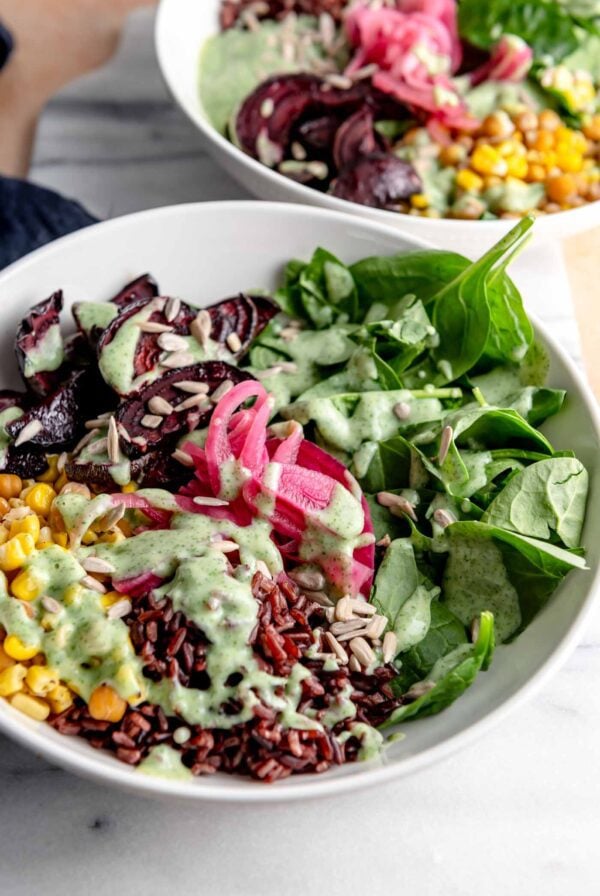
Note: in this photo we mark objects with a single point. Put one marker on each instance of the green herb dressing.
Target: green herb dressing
(92, 315)
(7, 416)
(47, 354)
(164, 762)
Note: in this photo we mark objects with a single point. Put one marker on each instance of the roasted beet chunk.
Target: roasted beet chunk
(355, 137)
(58, 420)
(172, 405)
(144, 287)
(169, 334)
(39, 346)
(24, 462)
(378, 180)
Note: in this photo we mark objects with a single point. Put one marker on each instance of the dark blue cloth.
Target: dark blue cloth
(31, 216)
(7, 45)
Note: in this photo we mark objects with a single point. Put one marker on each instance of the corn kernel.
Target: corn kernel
(106, 705)
(10, 485)
(32, 706)
(129, 488)
(569, 161)
(517, 167)
(41, 680)
(15, 648)
(61, 539)
(52, 472)
(111, 597)
(61, 481)
(544, 141)
(72, 594)
(11, 680)
(4, 506)
(40, 498)
(89, 537)
(591, 128)
(60, 698)
(14, 553)
(487, 160)
(469, 181)
(549, 120)
(561, 188)
(29, 524)
(114, 537)
(417, 200)
(26, 586)
(536, 173)
(3, 535)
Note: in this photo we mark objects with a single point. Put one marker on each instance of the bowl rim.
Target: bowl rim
(304, 194)
(315, 786)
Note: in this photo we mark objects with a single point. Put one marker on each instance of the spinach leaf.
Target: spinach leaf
(319, 291)
(496, 428)
(544, 24)
(388, 278)
(402, 596)
(493, 569)
(548, 496)
(446, 632)
(472, 313)
(451, 675)
(394, 464)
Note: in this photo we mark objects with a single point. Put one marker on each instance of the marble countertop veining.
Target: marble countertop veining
(516, 813)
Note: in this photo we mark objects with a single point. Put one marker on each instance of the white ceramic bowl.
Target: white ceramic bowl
(205, 252)
(182, 26)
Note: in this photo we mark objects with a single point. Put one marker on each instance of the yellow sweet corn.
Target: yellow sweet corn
(32, 706)
(40, 498)
(114, 537)
(15, 648)
(417, 200)
(110, 598)
(3, 535)
(26, 586)
(132, 486)
(61, 539)
(5, 659)
(29, 524)
(517, 167)
(487, 160)
(52, 471)
(470, 181)
(60, 698)
(41, 680)
(16, 550)
(89, 537)
(11, 680)
(72, 594)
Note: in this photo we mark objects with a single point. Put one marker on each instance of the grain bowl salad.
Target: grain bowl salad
(256, 537)
(438, 108)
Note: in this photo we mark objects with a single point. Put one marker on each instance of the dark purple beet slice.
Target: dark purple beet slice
(35, 327)
(144, 287)
(378, 180)
(156, 470)
(286, 98)
(11, 399)
(25, 463)
(78, 352)
(317, 135)
(131, 411)
(246, 316)
(266, 310)
(61, 414)
(355, 138)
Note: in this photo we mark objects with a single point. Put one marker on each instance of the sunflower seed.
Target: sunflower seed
(98, 422)
(120, 609)
(445, 443)
(114, 450)
(181, 735)
(193, 387)
(60, 463)
(319, 597)
(18, 513)
(376, 627)
(443, 518)
(171, 342)
(475, 626)
(123, 432)
(183, 457)
(225, 546)
(397, 502)
(298, 151)
(345, 628)
(339, 81)
(384, 542)
(201, 327)
(402, 410)
(51, 605)
(234, 342)
(97, 564)
(93, 584)
(207, 501)
(151, 326)
(151, 421)
(29, 432)
(390, 647)
(289, 333)
(362, 651)
(362, 608)
(263, 569)
(221, 390)
(109, 520)
(355, 633)
(367, 71)
(177, 359)
(267, 107)
(343, 609)
(193, 401)
(308, 579)
(419, 690)
(354, 665)
(172, 309)
(160, 406)
(87, 438)
(337, 648)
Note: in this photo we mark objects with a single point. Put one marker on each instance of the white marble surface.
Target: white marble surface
(517, 813)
